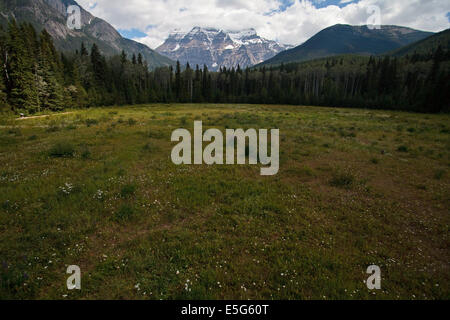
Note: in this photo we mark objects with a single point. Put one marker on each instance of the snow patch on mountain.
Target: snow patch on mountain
(218, 48)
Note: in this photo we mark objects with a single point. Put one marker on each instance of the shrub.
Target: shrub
(91, 122)
(155, 134)
(53, 128)
(150, 148)
(132, 122)
(32, 138)
(15, 131)
(128, 190)
(403, 149)
(62, 150)
(439, 174)
(71, 127)
(124, 213)
(183, 121)
(85, 153)
(342, 179)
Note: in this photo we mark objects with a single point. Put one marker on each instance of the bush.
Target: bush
(403, 149)
(131, 122)
(91, 122)
(62, 150)
(150, 148)
(71, 127)
(183, 121)
(53, 128)
(124, 213)
(439, 174)
(155, 135)
(342, 179)
(128, 190)
(85, 153)
(15, 131)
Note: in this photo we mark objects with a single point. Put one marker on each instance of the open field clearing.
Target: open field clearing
(97, 188)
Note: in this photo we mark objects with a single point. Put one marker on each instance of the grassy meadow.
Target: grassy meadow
(96, 188)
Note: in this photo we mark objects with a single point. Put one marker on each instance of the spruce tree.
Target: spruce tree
(50, 76)
(21, 67)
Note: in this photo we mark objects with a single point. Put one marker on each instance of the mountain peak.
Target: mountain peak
(219, 48)
(343, 39)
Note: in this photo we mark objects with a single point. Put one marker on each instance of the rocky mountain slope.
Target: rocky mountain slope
(346, 39)
(52, 15)
(219, 48)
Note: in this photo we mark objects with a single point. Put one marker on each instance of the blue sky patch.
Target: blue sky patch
(132, 34)
(326, 3)
(317, 3)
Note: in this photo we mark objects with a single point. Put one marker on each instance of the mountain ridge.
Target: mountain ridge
(219, 48)
(346, 39)
(51, 15)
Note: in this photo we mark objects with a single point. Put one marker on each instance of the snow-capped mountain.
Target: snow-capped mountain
(219, 48)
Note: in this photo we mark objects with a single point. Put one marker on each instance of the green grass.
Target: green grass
(355, 188)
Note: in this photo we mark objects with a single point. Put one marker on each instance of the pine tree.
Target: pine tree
(21, 69)
(3, 72)
(50, 77)
(83, 50)
(178, 82)
(123, 58)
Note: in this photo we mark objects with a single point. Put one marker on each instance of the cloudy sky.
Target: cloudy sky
(287, 21)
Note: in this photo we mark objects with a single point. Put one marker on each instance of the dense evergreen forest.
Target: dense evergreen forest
(35, 77)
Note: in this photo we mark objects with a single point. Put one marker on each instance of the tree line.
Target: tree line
(36, 77)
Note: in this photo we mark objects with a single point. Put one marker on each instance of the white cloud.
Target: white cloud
(300, 21)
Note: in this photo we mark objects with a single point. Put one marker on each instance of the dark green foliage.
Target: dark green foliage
(439, 174)
(342, 179)
(62, 150)
(149, 147)
(91, 122)
(53, 128)
(85, 153)
(403, 149)
(15, 131)
(124, 213)
(128, 190)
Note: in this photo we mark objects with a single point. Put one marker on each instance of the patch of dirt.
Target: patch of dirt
(44, 116)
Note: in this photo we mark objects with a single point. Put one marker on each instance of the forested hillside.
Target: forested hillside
(430, 44)
(35, 77)
(345, 39)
